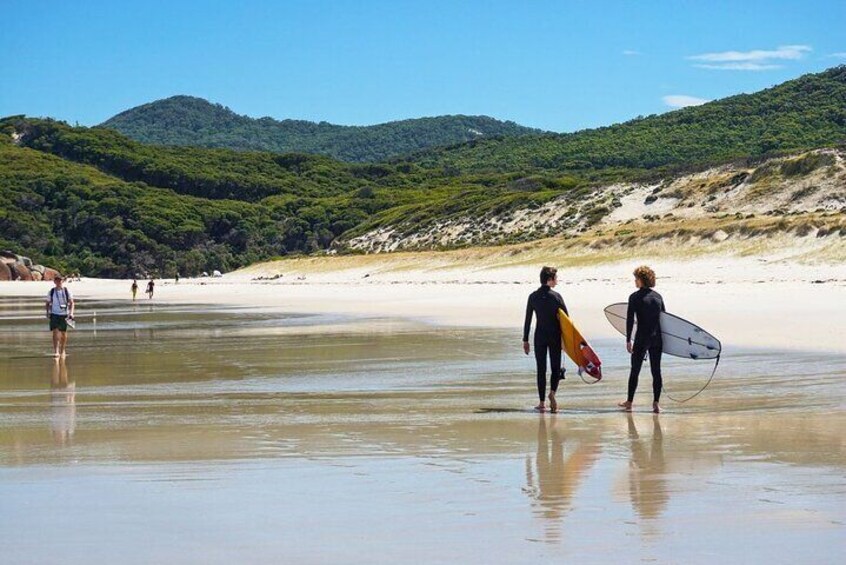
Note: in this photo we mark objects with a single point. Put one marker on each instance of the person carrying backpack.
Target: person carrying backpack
(60, 308)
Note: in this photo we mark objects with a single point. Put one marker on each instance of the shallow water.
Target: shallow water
(186, 434)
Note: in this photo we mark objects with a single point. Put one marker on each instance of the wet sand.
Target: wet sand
(221, 434)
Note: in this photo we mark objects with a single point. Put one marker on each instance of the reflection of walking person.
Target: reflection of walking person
(544, 304)
(151, 286)
(560, 468)
(645, 307)
(62, 404)
(60, 308)
(134, 289)
(647, 484)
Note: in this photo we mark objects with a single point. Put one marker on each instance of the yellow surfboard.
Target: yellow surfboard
(577, 348)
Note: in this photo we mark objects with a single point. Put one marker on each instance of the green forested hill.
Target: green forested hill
(803, 113)
(93, 200)
(189, 121)
(209, 173)
(75, 217)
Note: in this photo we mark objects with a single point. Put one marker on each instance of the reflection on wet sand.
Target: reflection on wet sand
(390, 423)
(561, 464)
(62, 404)
(648, 490)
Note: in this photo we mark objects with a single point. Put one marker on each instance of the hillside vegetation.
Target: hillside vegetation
(77, 218)
(802, 194)
(189, 121)
(93, 200)
(800, 114)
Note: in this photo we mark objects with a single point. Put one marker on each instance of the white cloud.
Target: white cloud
(784, 52)
(841, 55)
(683, 101)
(739, 67)
(755, 60)
(631, 53)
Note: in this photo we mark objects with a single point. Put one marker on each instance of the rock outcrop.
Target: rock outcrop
(14, 267)
(20, 272)
(50, 274)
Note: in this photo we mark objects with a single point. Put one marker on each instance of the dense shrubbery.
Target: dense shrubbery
(95, 201)
(804, 113)
(209, 173)
(75, 217)
(185, 120)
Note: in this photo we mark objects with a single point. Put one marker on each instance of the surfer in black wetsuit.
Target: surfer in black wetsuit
(646, 305)
(544, 304)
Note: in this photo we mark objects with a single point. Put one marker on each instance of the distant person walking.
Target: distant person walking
(151, 287)
(176, 279)
(134, 288)
(60, 308)
(645, 307)
(544, 304)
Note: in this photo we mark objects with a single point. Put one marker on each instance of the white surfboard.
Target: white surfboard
(680, 337)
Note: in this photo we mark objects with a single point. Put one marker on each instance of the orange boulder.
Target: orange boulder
(50, 274)
(20, 272)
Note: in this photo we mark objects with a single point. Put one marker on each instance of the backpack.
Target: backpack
(53, 294)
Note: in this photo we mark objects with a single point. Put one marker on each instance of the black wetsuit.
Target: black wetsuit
(544, 303)
(647, 305)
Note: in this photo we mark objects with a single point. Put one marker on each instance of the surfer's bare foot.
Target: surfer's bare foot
(553, 404)
(540, 407)
(655, 408)
(627, 406)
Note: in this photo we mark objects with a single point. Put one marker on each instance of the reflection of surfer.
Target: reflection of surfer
(647, 487)
(62, 404)
(646, 305)
(557, 479)
(544, 304)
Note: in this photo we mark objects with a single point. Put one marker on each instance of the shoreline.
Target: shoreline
(743, 301)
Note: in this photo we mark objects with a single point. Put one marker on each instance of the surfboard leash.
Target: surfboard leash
(587, 382)
(698, 392)
(584, 380)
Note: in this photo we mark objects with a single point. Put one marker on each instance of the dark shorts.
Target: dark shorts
(58, 323)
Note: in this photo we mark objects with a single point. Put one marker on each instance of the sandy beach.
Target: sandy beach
(754, 301)
(361, 408)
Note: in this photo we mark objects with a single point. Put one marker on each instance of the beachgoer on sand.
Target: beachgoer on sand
(60, 309)
(544, 304)
(645, 307)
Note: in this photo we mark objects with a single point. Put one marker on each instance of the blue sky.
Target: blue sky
(561, 66)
